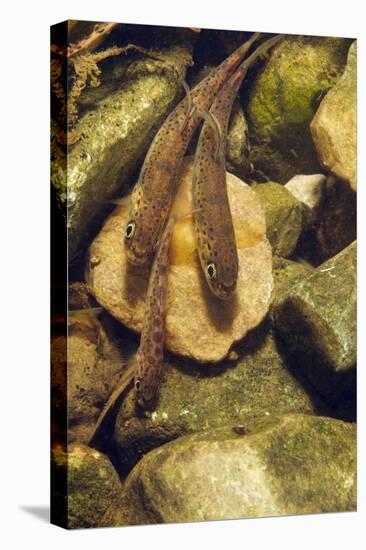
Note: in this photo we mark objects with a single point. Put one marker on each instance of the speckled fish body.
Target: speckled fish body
(152, 196)
(149, 360)
(213, 223)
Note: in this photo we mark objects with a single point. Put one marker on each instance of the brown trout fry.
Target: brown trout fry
(122, 387)
(150, 355)
(153, 193)
(213, 223)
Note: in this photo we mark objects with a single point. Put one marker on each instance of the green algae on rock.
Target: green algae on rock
(317, 320)
(284, 217)
(283, 100)
(295, 464)
(113, 139)
(334, 125)
(286, 273)
(94, 489)
(195, 399)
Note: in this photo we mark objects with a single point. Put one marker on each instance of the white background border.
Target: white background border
(24, 219)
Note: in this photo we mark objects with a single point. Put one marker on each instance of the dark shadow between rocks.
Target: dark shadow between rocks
(198, 370)
(252, 342)
(254, 339)
(124, 338)
(340, 404)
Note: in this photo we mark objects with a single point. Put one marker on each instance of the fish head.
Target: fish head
(139, 237)
(147, 381)
(220, 267)
(142, 230)
(138, 247)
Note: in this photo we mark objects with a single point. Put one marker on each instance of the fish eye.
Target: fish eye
(137, 385)
(130, 230)
(211, 270)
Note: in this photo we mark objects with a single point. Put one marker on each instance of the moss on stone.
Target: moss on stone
(286, 273)
(284, 217)
(194, 399)
(283, 100)
(113, 139)
(281, 465)
(317, 318)
(303, 443)
(93, 490)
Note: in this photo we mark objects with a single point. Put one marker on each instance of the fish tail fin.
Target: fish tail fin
(262, 50)
(239, 54)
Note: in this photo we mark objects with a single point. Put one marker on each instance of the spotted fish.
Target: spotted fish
(149, 359)
(212, 216)
(122, 387)
(153, 193)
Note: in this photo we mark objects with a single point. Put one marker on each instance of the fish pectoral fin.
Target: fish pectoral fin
(85, 313)
(119, 201)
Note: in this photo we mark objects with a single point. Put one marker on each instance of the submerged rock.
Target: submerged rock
(283, 100)
(91, 494)
(237, 145)
(284, 217)
(267, 467)
(113, 139)
(334, 126)
(317, 319)
(198, 325)
(80, 297)
(95, 361)
(309, 190)
(194, 398)
(286, 273)
(337, 224)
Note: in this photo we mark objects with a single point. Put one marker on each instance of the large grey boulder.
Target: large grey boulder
(317, 319)
(283, 99)
(268, 467)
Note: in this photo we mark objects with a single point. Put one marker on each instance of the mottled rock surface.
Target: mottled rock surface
(283, 100)
(114, 138)
(334, 126)
(207, 334)
(286, 273)
(317, 318)
(237, 145)
(309, 190)
(90, 365)
(284, 217)
(193, 399)
(267, 467)
(93, 497)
